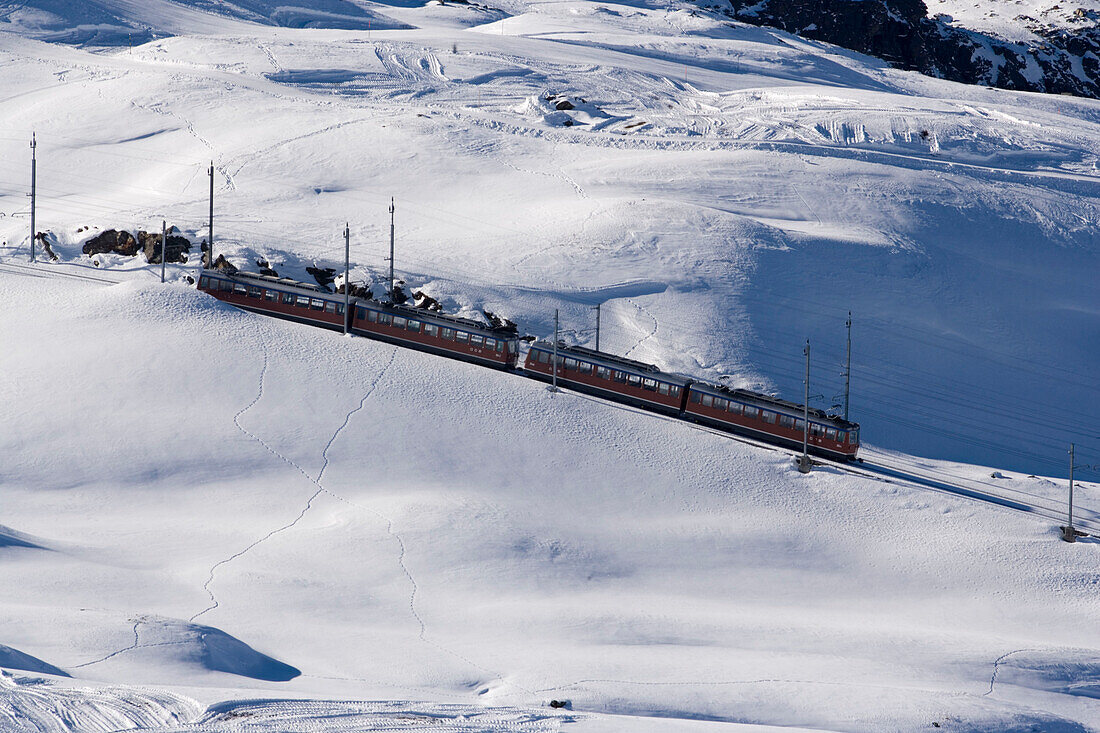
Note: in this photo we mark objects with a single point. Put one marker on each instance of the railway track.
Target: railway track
(879, 466)
(52, 271)
(882, 468)
(876, 465)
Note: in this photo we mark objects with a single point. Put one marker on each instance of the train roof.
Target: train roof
(764, 400)
(611, 360)
(407, 311)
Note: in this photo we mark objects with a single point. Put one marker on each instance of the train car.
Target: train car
(458, 338)
(771, 419)
(611, 376)
(277, 296)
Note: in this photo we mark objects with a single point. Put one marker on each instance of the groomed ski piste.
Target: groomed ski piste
(216, 521)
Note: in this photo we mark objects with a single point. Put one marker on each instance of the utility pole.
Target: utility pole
(598, 326)
(1069, 534)
(347, 273)
(848, 368)
(210, 227)
(34, 186)
(554, 383)
(804, 460)
(163, 247)
(392, 299)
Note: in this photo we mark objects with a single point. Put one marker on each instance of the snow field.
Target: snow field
(214, 497)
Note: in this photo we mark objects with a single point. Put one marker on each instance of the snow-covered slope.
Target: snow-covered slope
(1015, 20)
(220, 501)
(202, 501)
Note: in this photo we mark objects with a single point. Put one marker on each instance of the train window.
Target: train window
(271, 295)
(708, 401)
(618, 376)
(766, 416)
(330, 307)
(633, 380)
(735, 408)
(696, 397)
(340, 308)
(288, 298)
(399, 322)
(816, 429)
(662, 388)
(476, 340)
(430, 329)
(238, 288)
(650, 384)
(853, 437)
(361, 313)
(674, 391)
(830, 433)
(799, 424)
(204, 282)
(498, 345)
(786, 421)
(571, 363)
(413, 326)
(720, 403)
(317, 304)
(385, 318)
(751, 411)
(447, 333)
(302, 301)
(254, 292)
(462, 336)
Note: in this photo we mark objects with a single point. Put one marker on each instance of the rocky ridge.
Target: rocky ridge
(1060, 58)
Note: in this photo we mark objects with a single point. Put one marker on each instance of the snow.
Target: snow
(1012, 20)
(199, 503)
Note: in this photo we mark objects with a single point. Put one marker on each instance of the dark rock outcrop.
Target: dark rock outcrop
(357, 291)
(176, 251)
(500, 323)
(122, 243)
(427, 302)
(323, 275)
(223, 265)
(901, 33)
(266, 268)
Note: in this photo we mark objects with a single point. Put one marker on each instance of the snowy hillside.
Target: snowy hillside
(206, 513)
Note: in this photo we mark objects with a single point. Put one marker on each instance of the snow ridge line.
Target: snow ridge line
(997, 668)
(315, 481)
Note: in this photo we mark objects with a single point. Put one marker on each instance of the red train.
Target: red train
(735, 410)
(400, 324)
(596, 372)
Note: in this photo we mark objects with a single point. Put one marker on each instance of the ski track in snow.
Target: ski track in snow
(997, 668)
(315, 481)
(649, 335)
(132, 646)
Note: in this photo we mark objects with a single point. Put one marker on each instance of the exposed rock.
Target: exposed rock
(176, 251)
(266, 268)
(43, 239)
(500, 323)
(901, 33)
(563, 105)
(399, 295)
(357, 291)
(323, 275)
(427, 302)
(122, 243)
(223, 265)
